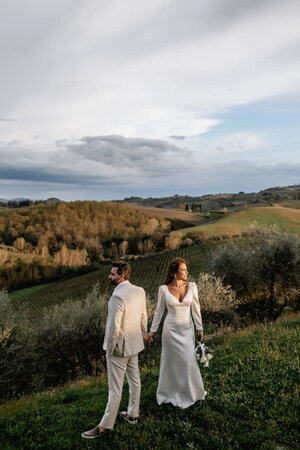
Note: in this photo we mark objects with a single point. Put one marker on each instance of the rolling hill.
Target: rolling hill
(234, 223)
(278, 194)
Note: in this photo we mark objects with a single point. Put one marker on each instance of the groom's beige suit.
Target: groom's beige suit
(125, 329)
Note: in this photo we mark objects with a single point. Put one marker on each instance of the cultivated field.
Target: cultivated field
(148, 272)
(173, 214)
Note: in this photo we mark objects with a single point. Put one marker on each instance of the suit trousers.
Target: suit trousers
(117, 367)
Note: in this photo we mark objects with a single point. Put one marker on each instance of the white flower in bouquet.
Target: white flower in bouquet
(203, 354)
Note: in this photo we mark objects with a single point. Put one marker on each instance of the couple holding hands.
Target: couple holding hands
(180, 381)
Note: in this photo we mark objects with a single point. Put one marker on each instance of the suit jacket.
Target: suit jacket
(126, 323)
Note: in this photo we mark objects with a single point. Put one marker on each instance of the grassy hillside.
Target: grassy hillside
(234, 223)
(252, 404)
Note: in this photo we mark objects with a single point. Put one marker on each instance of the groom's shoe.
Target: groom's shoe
(94, 433)
(129, 419)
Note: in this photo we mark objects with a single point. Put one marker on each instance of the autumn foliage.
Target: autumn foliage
(36, 240)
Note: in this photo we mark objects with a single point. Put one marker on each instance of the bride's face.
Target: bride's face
(182, 273)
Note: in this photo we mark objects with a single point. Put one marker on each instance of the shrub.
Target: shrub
(65, 343)
(69, 339)
(173, 240)
(16, 356)
(6, 318)
(214, 295)
(232, 264)
(278, 266)
(218, 301)
(264, 270)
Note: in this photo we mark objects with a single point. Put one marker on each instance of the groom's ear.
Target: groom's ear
(122, 277)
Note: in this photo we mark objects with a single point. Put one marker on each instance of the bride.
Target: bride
(180, 381)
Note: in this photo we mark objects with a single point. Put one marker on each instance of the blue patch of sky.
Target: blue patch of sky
(277, 121)
(280, 116)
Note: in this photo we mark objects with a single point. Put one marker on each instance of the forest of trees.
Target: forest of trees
(36, 240)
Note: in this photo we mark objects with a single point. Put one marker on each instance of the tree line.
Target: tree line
(21, 203)
(72, 234)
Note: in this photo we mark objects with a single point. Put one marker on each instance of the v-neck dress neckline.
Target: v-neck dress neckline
(180, 301)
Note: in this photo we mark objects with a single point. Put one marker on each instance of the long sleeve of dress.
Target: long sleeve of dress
(196, 311)
(159, 311)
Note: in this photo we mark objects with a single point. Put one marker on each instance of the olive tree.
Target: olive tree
(263, 269)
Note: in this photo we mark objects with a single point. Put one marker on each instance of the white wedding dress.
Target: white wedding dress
(180, 381)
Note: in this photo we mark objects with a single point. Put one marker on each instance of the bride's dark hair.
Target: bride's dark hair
(173, 269)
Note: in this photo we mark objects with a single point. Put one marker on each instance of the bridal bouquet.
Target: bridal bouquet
(203, 354)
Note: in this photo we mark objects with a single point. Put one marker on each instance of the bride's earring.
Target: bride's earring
(177, 283)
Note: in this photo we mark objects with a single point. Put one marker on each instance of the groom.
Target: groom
(126, 327)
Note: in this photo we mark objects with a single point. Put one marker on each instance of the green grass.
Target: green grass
(253, 403)
(287, 219)
(21, 293)
(47, 295)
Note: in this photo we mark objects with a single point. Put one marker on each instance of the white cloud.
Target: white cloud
(75, 68)
(138, 71)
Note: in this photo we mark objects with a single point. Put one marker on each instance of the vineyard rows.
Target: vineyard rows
(148, 272)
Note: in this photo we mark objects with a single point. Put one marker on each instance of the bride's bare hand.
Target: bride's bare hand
(149, 337)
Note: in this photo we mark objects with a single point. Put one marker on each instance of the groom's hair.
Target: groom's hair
(124, 268)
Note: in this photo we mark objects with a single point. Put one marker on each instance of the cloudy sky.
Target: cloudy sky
(108, 99)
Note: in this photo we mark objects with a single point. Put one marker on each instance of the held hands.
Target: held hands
(199, 335)
(149, 337)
